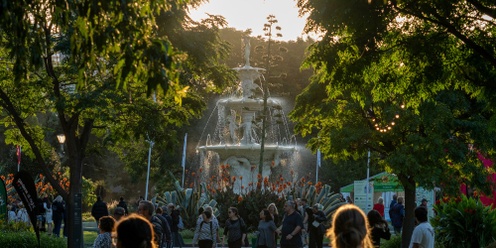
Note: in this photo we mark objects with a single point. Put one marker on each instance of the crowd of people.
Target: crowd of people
(151, 225)
(299, 225)
(49, 214)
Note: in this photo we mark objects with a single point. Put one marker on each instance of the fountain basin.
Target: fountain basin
(246, 104)
(249, 151)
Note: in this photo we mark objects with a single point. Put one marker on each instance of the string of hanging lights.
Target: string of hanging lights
(383, 126)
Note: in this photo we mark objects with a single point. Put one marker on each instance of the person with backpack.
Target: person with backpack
(177, 224)
(397, 216)
(391, 205)
(166, 236)
(235, 229)
(147, 210)
(206, 231)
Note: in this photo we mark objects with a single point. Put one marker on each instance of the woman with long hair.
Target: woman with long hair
(275, 216)
(266, 230)
(273, 211)
(350, 228)
(134, 231)
(235, 229)
(379, 227)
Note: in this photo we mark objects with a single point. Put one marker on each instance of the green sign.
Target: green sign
(383, 182)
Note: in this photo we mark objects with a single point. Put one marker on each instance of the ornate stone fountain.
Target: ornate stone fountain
(236, 138)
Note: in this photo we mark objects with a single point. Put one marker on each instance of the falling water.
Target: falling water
(236, 138)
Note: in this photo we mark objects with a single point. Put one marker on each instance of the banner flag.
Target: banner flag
(24, 185)
(318, 158)
(18, 153)
(3, 200)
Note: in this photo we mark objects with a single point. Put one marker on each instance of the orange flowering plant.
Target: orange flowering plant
(261, 192)
(223, 190)
(43, 188)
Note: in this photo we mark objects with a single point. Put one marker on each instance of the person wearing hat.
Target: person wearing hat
(316, 226)
(119, 212)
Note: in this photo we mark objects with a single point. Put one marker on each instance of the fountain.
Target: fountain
(236, 138)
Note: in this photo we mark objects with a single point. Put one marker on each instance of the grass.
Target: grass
(89, 238)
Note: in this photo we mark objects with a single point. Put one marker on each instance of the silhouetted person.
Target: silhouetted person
(99, 209)
(123, 204)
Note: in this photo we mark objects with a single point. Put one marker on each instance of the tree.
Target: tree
(407, 59)
(268, 29)
(68, 58)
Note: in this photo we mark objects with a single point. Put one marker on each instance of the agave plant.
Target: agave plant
(189, 200)
(249, 201)
(319, 193)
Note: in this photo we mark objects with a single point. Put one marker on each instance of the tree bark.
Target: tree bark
(409, 221)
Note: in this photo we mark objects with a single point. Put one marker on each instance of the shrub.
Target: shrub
(464, 222)
(27, 239)
(394, 242)
(14, 226)
(188, 233)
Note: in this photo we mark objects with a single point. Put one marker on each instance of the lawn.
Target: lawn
(89, 237)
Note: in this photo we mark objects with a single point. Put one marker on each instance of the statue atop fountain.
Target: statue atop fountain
(238, 129)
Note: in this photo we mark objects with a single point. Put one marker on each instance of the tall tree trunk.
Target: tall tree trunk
(76, 147)
(409, 221)
(74, 218)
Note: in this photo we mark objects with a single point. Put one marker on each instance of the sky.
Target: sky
(245, 14)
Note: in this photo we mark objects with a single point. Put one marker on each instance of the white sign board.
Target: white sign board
(429, 195)
(363, 195)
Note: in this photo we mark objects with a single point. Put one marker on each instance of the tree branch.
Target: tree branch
(451, 29)
(485, 10)
(7, 104)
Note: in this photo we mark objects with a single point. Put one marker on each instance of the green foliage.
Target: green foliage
(402, 80)
(89, 196)
(89, 237)
(394, 242)
(249, 201)
(320, 193)
(87, 217)
(249, 205)
(188, 233)
(189, 200)
(16, 226)
(464, 222)
(28, 240)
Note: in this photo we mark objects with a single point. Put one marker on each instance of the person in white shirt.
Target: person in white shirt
(22, 214)
(48, 214)
(12, 217)
(423, 234)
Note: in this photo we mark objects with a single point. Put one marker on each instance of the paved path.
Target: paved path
(90, 226)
